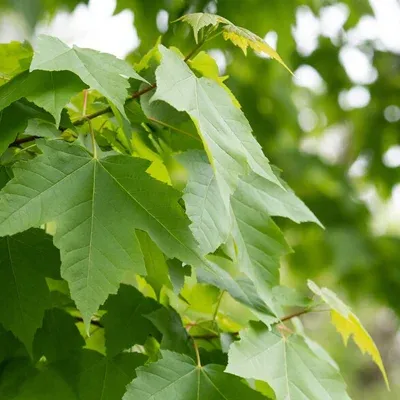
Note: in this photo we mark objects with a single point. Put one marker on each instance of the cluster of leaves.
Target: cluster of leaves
(137, 234)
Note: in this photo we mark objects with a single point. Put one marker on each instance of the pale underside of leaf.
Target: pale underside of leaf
(286, 364)
(204, 205)
(225, 131)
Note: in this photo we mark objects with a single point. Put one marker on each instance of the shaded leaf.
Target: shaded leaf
(125, 322)
(175, 336)
(14, 120)
(24, 295)
(48, 90)
(95, 377)
(58, 337)
(155, 262)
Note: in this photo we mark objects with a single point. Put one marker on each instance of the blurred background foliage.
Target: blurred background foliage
(333, 128)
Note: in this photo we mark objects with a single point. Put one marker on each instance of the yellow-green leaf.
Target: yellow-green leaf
(347, 324)
(240, 37)
(244, 38)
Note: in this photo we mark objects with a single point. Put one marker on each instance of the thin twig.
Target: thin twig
(296, 314)
(18, 142)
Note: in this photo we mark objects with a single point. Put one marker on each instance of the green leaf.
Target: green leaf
(347, 324)
(259, 242)
(10, 346)
(14, 120)
(96, 205)
(97, 242)
(95, 377)
(208, 67)
(201, 20)
(24, 295)
(244, 38)
(225, 131)
(48, 90)
(176, 377)
(58, 337)
(240, 37)
(204, 205)
(175, 336)
(15, 57)
(275, 201)
(46, 384)
(103, 72)
(42, 128)
(177, 273)
(286, 364)
(125, 322)
(241, 289)
(154, 260)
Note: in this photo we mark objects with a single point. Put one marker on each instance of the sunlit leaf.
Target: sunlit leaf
(347, 324)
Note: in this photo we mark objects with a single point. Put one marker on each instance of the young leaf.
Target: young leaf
(225, 131)
(125, 322)
(96, 205)
(204, 205)
(48, 90)
(24, 295)
(286, 364)
(176, 377)
(243, 38)
(347, 324)
(240, 37)
(200, 20)
(103, 72)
